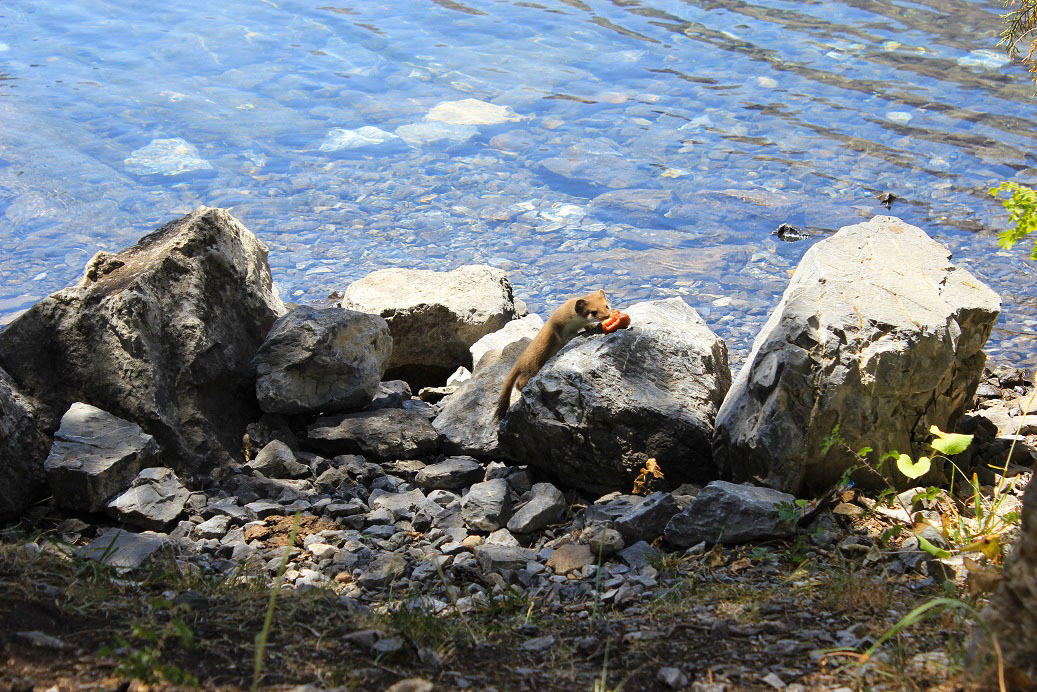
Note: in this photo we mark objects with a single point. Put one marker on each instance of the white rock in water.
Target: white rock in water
(417, 134)
(564, 213)
(365, 136)
(166, 157)
(472, 112)
(899, 117)
(986, 59)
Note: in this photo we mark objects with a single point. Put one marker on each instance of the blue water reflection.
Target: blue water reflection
(648, 147)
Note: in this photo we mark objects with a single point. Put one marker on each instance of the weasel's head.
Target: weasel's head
(593, 306)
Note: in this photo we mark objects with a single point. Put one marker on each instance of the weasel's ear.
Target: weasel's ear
(581, 306)
(602, 292)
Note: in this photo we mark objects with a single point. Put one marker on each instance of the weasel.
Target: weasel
(573, 315)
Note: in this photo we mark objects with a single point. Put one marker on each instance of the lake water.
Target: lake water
(647, 147)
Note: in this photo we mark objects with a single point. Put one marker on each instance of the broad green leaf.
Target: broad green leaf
(864, 451)
(932, 549)
(913, 469)
(949, 443)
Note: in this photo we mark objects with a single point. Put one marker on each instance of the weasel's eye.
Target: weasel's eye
(594, 313)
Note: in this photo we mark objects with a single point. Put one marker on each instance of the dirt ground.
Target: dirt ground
(746, 618)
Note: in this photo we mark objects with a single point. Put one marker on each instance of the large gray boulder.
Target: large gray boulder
(878, 333)
(23, 447)
(162, 333)
(434, 317)
(1012, 610)
(94, 456)
(606, 403)
(322, 360)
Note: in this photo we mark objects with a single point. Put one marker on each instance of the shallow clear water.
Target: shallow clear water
(647, 147)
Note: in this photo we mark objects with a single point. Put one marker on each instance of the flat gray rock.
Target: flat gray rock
(452, 473)
(124, 550)
(154, 500)
(95, 455)
(384, 434)
(730, 513)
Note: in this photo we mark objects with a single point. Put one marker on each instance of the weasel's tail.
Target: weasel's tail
(505, 395)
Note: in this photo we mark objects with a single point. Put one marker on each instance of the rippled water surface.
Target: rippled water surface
(648, 147)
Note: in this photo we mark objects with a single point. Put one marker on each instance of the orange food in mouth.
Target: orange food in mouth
(615, 320)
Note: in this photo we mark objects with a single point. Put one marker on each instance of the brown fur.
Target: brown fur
(564, 323)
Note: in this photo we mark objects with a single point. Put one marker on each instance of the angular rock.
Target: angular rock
(154, 500)
(546, 507)
(434, 317)
(609, 508)
(277, 460)
(878, 333)
(162, 333)
(452, 473)
(384, 434)
(606, 403)
(647, 521)
(465, 420)
(571, 557)
(322, 360)
(23, 448)
(494, 557)
(94, 456)
(381, 571)
(487, 506)
(391, 394)
(516, 330)
(602, 541)
(729, 513)
(1012, 610)
(639, 554)
(215, 527)
(402, 505)
(123, 550)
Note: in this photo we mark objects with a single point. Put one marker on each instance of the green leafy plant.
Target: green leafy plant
(977, 533)
(139, 656)
(1021, 206)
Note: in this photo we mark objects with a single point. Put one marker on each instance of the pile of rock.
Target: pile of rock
(185, 399)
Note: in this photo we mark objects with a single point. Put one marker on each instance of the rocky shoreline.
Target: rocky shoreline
(175, 392)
